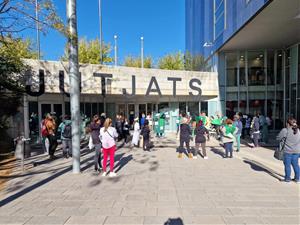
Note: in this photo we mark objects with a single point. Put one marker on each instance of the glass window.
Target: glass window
(270, 68)
(279, 79)
(88, 109)
(256, 73)
(242, 69)
(204, 107)
(293, 99)
(231, 69)
(287, 74)
(182, 107)
(94, 109)
(67, 108)
(193, 109)
(298, 110)
(100, 108)
(219, 17)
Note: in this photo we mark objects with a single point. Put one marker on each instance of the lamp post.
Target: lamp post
(74, 82)
(37, 30)
(100, 30)
(142, 52)
(116, 50)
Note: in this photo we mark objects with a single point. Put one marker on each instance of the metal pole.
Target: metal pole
(37, 30)
(142, 52)
(100, 27)
(116, 50)
(74, 83)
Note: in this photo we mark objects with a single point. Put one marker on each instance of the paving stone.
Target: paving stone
(161, 220)
(124, 220)
(196, 220)
(53, 220)
(287, 220)
(86, 220)
(237, 220)
(139, 211)
(104, 211)
(68, 212)
(13, 220)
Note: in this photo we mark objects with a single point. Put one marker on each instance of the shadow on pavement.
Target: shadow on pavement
(257, 166)
(122, 162)
(174, 221)
(217, 151)
(38, 184)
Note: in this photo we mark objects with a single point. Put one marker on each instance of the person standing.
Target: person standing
(291, 149)
(136, 132)
(201, 133)
(264, 128)
(184, 138)
(150, 121)
(228, 130)
(66, 136)
(238, 124)
(118, 126)
(255, 131)
(126, 132)
(145, 132)
(51, 126)
(95, 127)
(108, 134)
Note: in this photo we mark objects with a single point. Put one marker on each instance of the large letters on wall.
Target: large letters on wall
(41, 86)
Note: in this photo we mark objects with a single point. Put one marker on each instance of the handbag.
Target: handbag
(279, 151)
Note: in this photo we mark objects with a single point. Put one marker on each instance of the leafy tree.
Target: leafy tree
(12, 73)
(195, 62)
(173, 61)
(131, 61)
(89, 52)
(19, 15)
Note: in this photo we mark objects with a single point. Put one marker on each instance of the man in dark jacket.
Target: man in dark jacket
(185, 137)
(95, 132)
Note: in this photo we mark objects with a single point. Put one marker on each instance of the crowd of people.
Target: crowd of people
(199, 129)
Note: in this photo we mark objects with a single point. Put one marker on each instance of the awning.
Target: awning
(276, 26)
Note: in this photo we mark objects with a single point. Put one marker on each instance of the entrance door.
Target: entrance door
(142, 109)
(131, 113)
(45, 108)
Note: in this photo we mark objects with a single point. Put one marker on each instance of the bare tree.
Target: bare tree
(19, 15)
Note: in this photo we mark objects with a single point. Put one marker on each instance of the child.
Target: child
(145, 132)
(201, 133)
(229, 132)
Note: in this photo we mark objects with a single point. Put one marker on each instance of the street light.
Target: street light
(116, 50)
(100, 27)
(142, 52)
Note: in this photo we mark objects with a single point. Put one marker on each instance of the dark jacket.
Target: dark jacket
(95, 132)
(200, 134)
(185, 132)
(145, 132)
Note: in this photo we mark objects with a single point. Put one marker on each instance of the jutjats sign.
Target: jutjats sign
(51, 77)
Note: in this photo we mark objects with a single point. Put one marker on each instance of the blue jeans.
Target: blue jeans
(228, 148)
(288, 160)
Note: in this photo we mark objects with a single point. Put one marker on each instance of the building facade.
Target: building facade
(254, 46)
(121, 90)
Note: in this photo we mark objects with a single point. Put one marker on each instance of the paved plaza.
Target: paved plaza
(154, 188)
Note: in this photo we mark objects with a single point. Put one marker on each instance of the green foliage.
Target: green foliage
(89, 52)
(19, 15)
(131, 61)
(12, 75)
(195, 62)
(173, 61)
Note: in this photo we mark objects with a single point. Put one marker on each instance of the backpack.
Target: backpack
(44, 130)
(67, 132)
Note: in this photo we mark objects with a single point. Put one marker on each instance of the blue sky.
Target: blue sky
(161, 22)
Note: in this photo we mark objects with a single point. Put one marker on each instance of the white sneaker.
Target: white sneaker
(112, 174)
(205, 157)
(195, 157)
(104, 174)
